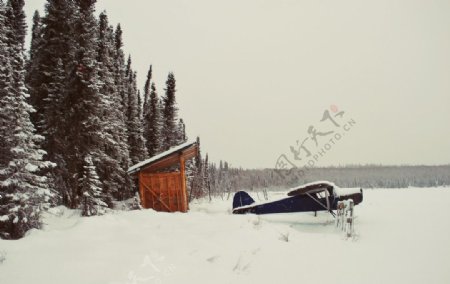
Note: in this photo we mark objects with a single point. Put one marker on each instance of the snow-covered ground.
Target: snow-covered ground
(403, 237)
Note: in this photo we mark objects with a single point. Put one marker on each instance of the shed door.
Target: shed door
(162, 192)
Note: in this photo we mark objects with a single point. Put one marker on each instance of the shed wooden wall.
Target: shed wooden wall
(163, 191)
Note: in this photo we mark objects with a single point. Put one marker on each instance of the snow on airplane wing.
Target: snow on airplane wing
(312, 187)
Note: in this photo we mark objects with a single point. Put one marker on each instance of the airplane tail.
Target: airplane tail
(242, 198)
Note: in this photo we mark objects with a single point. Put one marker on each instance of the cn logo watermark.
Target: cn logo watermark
(320, 138)
(153, 269)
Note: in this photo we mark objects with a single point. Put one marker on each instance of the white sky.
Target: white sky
(252, 76)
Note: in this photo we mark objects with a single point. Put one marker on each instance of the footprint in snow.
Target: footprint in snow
(212, 258)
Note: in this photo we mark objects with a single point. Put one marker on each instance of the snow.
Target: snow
(159, 156)
(402, 237)
(339, 191)
(313, 183)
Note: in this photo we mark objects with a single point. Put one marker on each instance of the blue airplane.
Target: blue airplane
(312, 197)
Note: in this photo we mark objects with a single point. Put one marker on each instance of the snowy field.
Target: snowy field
(403, 237)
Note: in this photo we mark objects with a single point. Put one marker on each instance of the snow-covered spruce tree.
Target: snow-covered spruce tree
(145, 106)
(223, 178)
(84, 101)
(24, 191)
(195, 176)
(52, 52)
(5, 81)
(53, 108)
(128, 69)
(148, 82)
(170, 115)
(136, 140)
(36, 34)
(212, 174)
(91, 189)
(18, 20)
(52, 41)
(120, 78)
(113, 164)
(139, 103)
(206, 177)
(152, 117)
(16, 31)
(121, 83)
(181, 132)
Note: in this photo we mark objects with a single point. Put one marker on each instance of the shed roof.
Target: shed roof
(174, 151)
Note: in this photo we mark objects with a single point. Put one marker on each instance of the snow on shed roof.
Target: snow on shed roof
(164, 154)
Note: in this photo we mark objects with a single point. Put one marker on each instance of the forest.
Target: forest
(73, 119)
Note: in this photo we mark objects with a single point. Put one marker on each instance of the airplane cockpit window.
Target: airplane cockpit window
(321, 194)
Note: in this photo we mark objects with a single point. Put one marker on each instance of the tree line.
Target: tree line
(72, 118)
(224, 180)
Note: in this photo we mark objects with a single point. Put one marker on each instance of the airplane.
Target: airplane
(311, 197)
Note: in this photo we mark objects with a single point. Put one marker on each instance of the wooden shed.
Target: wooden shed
(162, 179)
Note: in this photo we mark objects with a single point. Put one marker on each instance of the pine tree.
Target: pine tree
(213, 179)
(36, 34)
(195, 172)
(16, 31)
(53, 109)
(114, 162)
(52, 40)
(128, 70)
(84, 101)
(126, 82)
(152, 117)
(145, 107)
(206, 177)
(120, 79)
(24, 191)
(18, 20)
(147, 90)
(181, 132)
(52, 51)
(92, 200)
(5, 77)
(134, 122)
(170, 113)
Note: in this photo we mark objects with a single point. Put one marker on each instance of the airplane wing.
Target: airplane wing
(313, 187)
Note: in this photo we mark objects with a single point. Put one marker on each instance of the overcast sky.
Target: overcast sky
(253, 76)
